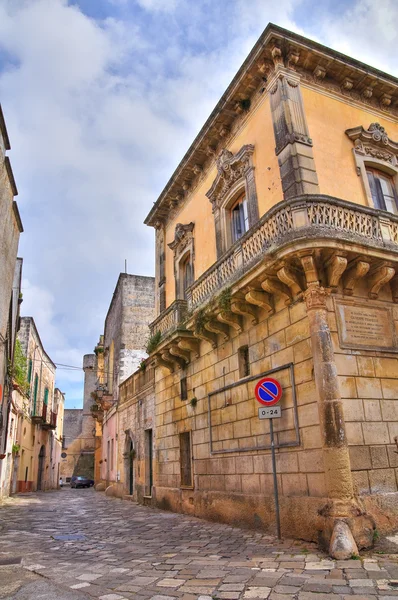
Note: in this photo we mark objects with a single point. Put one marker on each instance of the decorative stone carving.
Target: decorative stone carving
(277, 56)
(335, 267)
(183, 236)
(367, 93)
(272, 285)
(310, 270)
(231, 168)
(319, 73)
(234, 321)
(293, 58)
(385, 100)
(380, 276)
(243, 308)
(175, 350)
(355, 271)
(374, 142)
(316, 297)
(347, 84)
(218, 328)
(197, 169)
(259, 298)
(189, 344)
(291, 278)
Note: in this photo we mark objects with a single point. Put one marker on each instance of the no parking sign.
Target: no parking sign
(268, 391)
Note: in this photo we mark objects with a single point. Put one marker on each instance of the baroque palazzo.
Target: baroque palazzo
(277, 253)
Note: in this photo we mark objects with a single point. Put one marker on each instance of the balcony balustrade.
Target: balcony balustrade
(170, 319)
(312, 217)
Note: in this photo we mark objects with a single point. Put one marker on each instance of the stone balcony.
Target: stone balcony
(309, 217)
(170, 319)
(307, 240)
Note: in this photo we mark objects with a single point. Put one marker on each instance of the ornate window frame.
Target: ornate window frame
(235, 176)
(182, 246)
(373, 148)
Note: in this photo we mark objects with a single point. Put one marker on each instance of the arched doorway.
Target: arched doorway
(42, 456)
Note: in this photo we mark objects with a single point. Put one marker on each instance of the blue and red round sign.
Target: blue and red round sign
(268, 391)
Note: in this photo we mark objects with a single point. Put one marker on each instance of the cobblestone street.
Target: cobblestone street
(121, 550)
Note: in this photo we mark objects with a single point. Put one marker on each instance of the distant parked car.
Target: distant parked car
(78, 481)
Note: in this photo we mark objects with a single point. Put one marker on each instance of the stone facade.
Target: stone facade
(306, 294)
(120, 352)
(35, 425)
(10, 277)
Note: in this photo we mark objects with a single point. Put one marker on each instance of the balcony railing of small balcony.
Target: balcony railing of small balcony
(38, 410)
(49, 418)
(312, 216)
(170, 319)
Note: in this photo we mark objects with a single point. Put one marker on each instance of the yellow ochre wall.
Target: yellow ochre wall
(257, 130)
(328, 119)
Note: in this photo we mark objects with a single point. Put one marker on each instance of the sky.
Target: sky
(101, 99)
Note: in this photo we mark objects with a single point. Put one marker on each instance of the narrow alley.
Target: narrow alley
(82, 544)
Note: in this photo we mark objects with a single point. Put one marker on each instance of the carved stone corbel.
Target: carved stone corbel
(160, 362)
(335, 267)
(274, 286)
(380, 276)
(191, 345)
(354, 272)
(169, 358)
(259, 298)
(218, 328)
(179, 353)
(289, 276)
(228, 317)
(243, 308)
(207, 336)
(310, 270)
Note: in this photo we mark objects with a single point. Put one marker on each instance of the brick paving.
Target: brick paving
(122, 551)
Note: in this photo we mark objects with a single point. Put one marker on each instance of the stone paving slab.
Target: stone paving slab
(105, 548)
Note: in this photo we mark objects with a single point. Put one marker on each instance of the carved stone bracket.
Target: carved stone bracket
(207, 336)
(260, 298)
(310, 270)
(234, 321)
(218, 328)
(272, 285)
(335, 267)
(166, 364)
(176, 360)
(379, 277)
(189, 344)
(243, 308)
(175, 350)
(354, 272)
(289, 276)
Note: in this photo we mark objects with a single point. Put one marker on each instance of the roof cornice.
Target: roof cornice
(3, 130)
(316, 64)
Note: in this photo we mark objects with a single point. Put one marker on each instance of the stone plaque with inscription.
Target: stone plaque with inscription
(365, 326)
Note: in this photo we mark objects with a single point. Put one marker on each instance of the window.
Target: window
(243, 361)
(185, 459)
(46, 396)
(183, 391)
(383, 191)
(30, 370)
(239, 219)
(36, 385)
(186, 272)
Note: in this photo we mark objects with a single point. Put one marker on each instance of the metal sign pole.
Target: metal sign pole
(276, 496)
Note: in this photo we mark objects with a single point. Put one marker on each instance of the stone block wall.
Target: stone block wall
(234, 485)
(227, 484)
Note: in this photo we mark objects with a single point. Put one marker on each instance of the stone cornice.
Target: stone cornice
(3, 130)
(316, 65)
